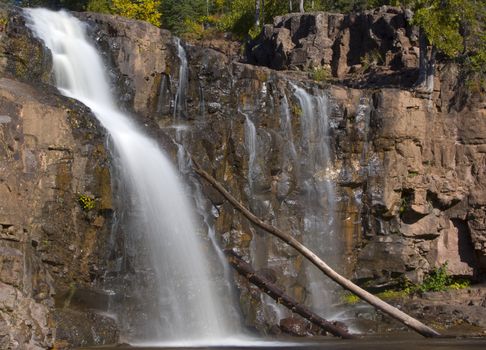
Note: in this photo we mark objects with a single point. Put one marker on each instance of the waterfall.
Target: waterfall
(180, 298)
(286, 128)
(251, 146)
(180, 106)
(318, 191)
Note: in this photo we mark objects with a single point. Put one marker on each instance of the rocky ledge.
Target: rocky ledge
(408, 169)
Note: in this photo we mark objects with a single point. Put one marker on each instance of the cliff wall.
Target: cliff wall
(52, 246)
(406, 166)
(406, 169)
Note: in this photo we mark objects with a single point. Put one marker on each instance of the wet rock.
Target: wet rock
(403, 178)
(409, 171)
(54, 150)
(295, 326)
(76, 329)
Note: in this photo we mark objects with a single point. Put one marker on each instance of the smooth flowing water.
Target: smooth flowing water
(251, 148)
(183, 303)
(315, 175)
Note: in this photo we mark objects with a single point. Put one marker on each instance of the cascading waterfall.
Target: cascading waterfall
(183, 302)
(251, 147)
(320, 223)
(286, 126)
(180, 107)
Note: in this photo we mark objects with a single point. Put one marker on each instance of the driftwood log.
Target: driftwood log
(281, 297)
(388, 309)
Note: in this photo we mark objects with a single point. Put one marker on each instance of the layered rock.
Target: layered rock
(52, 155)
(407, 167)
(380, 41)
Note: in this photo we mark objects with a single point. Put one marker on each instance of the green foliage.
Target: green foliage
(350, 298)
(75, 5)
(404, 205)
(180, 16)
(437, 280)
(320, 74)
(394, 294)
(145, 10)
(86, 202)
(296, 110)
(441, 22)
(371, 59)
(101, 6)
(240, 18)
(456, 28)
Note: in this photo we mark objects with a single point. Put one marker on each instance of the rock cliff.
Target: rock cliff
(406, 169)
(52, 246)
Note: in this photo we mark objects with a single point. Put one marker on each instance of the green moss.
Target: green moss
(459, 284)
(437, 280)
(393, 294)
(86, 202)
(296, 110)
(350, 299)
(412, 173)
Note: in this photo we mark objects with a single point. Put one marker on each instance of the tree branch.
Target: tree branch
(279, 295)
(397, 314)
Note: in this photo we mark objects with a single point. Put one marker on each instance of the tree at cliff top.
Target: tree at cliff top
(182, 16)
(145, 10)
(75, 5)
(455, 28)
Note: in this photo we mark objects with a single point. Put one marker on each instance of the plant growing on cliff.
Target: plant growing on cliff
(320, 74)
(86, 202)
(437, 280)
(371, 59)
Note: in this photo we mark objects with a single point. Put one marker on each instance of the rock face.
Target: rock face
(52, 153)
(406, 170)
(406, 167)
(347, 45)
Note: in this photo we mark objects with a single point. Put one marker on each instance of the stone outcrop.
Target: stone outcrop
(52, 152)
(380, 41)
(407, 167)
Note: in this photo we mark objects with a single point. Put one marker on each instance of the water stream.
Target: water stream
(181, 301)
(318, 192)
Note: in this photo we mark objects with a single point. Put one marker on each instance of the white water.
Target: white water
(286, 126)
(180, 107)
(251, 147)
(316, 177)
(184, 305)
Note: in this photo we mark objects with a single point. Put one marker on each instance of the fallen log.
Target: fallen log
(395, 313)
(281, 297)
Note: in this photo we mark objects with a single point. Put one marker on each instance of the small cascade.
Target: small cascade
(270, 310)
(251, 148)
(318, 192)
(222, 270)
(174, 299)
(286, 128)
(180, 101)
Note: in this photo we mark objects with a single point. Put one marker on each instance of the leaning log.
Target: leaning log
(397, 314)
(281, 297)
